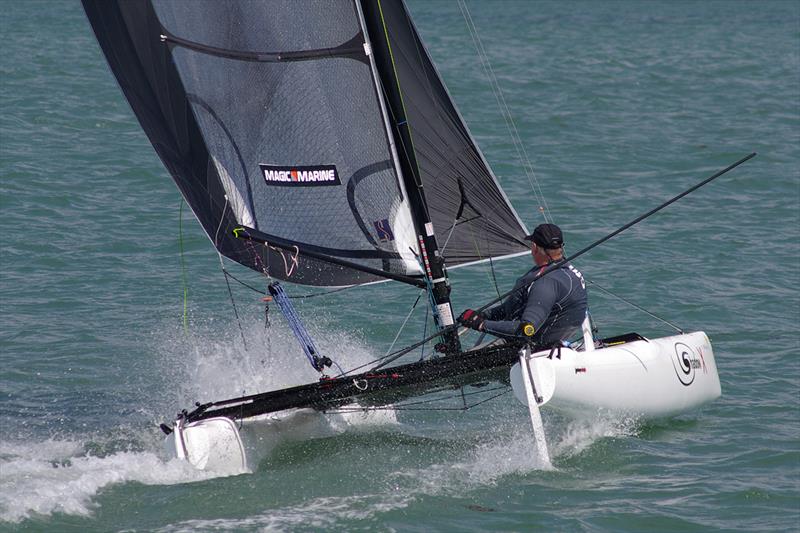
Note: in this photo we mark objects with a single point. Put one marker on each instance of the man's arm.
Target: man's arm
(511, 304)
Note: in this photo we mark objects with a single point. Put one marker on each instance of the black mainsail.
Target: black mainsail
(268, 115)
(323, 131)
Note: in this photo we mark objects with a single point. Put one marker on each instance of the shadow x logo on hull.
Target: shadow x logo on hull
(305, 176)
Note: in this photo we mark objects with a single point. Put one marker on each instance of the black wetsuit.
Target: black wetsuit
(555, 305)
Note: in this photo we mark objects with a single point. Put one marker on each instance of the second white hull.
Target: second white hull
(645, 378)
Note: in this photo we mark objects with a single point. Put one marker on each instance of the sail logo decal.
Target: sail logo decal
(685, 363)
(300, 176)
(384, 230)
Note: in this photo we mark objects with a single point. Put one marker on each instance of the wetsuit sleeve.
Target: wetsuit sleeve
(541, 298)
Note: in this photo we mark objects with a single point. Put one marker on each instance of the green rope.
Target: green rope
(183, 271)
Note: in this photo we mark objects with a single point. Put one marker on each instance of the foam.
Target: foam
(212, 363)
(576, 435)
(317, 513)
(59, 477)
(511, 450)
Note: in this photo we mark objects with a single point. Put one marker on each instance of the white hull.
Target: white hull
(647, 378)
(226, 447)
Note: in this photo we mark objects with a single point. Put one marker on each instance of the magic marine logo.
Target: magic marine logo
(307, 176)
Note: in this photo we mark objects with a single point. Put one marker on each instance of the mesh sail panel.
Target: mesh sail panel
(261, 25)
(266, 115)
(454, 174)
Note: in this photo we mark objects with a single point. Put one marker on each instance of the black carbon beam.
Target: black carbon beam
(373, 389)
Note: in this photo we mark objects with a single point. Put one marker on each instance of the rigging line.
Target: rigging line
(227, 282)
(566, 259)
(183, 270)
(478, 252)
(296, 297)
(233, 302)
(561, 262)
(500, 99)
(240, 282)
(388, 358)
(298, 328)
(450, 234)
(640, 308)
(504, 388)
(424, 332)
(394, 355)
(258, 263)
(316, 294)
(403, 351)
(508, 118)
(221, 220)
(494, 276)
(288, 270)
(404, 407)
(403, 325)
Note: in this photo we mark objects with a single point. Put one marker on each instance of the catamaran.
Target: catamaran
(317, 144)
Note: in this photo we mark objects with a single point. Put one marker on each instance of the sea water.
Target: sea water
(619, 106)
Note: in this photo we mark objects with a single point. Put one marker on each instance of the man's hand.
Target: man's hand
(471, 319)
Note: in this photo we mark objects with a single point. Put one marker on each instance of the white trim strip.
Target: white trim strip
(480, 261)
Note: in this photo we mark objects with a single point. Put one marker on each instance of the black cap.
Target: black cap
(547, 236)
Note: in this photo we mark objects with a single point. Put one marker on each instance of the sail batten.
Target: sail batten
(352, 48)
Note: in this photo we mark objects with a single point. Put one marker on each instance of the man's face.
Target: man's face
(535, 253)
(540, 255)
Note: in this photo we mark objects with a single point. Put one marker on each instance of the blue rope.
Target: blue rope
(299, 330)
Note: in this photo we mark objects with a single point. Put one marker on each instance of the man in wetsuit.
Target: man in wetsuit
(546, 311)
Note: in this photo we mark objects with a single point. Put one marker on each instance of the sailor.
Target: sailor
(545, 311)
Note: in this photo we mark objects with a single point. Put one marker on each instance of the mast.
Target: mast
(391, 97)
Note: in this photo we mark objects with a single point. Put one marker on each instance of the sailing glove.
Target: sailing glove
(471, 319)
